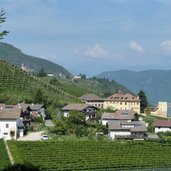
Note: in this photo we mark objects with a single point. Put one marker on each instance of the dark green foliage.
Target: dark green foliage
(4, 161)
(143, 102)
(92, 155)
(76, 118)
(22, 167)
(38, 96)
(60, 127)
(2, 20)
(42, 73)
(38, 120)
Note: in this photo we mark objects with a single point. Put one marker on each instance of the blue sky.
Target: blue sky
(92, 36)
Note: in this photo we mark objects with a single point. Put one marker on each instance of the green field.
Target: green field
(4, 161)
(92, 155)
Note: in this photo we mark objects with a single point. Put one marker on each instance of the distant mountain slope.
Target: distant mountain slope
(156, 83)
(101, 87)
(15, 56)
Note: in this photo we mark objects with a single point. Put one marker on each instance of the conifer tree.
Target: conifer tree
(143, 102)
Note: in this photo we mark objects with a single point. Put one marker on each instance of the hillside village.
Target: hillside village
(109, 109)
(118, 113)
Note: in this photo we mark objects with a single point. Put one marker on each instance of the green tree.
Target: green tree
(76, 118)
(147, 110)
(42, 73)
(2, 20)
(60, 127)
(143, 102)
(38, 96)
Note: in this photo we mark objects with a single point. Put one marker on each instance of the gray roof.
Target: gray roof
(10, 113)
(119, 115)
(137, 126)
(36, 106)
(91, 97)
(75, 106)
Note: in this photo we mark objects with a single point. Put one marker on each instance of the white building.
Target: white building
(127, 130)
(121, 101)
(161, 110)
(11, 126)
(162, 126)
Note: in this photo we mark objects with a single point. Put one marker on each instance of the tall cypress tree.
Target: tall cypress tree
(144, 101)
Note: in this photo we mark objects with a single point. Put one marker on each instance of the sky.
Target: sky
(92, 36)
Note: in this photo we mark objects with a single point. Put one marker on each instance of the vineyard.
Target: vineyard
(92, 155)
(17, 84)
(4, 161)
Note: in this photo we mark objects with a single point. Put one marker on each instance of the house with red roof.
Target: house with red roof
(162, 125)
(121, 101)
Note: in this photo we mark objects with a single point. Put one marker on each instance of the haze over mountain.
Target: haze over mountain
(16, 56)
(155, 83)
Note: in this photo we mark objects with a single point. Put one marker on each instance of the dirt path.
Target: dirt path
(8, 152)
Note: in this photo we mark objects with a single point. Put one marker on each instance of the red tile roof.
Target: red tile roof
(120, 115)
(91, 97)
(78, 107)
(123, 97)
(162, 123)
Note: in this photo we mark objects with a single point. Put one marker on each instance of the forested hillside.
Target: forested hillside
(17, 57)
(156, 83)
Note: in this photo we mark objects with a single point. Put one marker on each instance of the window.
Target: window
(7, 125)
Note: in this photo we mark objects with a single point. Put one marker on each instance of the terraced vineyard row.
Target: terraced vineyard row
(92, 155)
(14, 80)
(4, 161)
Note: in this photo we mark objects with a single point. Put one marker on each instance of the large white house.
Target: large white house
(11, 125)
(120, 101)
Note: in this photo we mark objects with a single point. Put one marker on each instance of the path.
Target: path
(8, 152)
(32, 136)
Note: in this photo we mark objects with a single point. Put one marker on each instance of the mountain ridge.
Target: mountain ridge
(155, 83)
(16, 56)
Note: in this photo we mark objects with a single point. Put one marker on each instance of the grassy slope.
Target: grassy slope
(92, 155)
(4, 161)
(18, 86)
(100, 87)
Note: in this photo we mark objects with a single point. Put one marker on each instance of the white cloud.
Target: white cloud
(166, 46)
(96, 51)
(136, 46)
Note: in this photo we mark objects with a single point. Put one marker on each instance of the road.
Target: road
(32, 136)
